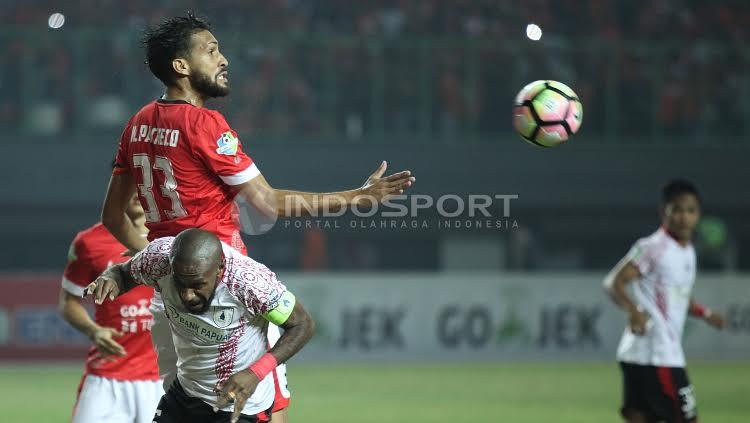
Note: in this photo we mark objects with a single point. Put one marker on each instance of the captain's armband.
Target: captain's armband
(283, 310)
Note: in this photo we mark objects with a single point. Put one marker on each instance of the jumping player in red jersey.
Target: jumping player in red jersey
(188, 165)
(121, 369)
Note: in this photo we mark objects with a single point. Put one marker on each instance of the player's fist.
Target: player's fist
(101, 288)
(377, 187)
(638, 321)
(103, 338)
(237, 389)
(716, 320)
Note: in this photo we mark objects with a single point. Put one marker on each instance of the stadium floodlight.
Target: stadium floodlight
(56, 20)
(534, 32)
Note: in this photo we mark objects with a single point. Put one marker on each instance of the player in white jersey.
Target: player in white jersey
(219, 303)
(661, 270)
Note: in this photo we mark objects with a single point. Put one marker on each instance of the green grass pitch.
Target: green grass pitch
(415, 393)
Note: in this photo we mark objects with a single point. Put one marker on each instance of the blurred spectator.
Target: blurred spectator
(314, 256)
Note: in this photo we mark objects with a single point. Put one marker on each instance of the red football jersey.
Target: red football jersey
(92, 251)
(185, 160)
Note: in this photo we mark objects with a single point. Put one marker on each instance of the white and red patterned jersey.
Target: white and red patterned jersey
(663, 291)
(91, 253)
(230, 335)
(185, 161)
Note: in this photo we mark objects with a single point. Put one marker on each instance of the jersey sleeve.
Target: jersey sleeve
(255, 286)
(220, 149)
(152, 263)
(642, 255)
(122, 164)
(79, 271)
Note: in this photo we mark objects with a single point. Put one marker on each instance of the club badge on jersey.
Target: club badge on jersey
(227, 143)
(223, 317)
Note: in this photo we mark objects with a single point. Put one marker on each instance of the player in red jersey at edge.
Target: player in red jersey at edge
(121, 381)
(188, 165)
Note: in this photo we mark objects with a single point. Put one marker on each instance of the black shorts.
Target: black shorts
(659, 393)
(177, 407)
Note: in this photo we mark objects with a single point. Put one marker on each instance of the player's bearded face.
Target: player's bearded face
(208, 67)
(202, 306)
(211, 86)
(197, 292)
(198, 301)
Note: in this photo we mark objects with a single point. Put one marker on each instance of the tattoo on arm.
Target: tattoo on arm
(298, 329)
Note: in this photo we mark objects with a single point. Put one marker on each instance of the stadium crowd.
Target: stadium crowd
(437, 68)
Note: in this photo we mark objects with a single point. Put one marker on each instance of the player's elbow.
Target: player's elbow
(64, 304)
(615, 283)
(306, 325)
(310, 329)
(618, 277)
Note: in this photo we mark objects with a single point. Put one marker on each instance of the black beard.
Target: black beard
(207, 87)
(206, 306)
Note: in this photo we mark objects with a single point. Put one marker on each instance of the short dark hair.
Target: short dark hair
(196, 246)
(676, 188)
(169, 40)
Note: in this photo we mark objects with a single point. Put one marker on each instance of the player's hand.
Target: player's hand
(103, 338)
(379, 188)
(237, 389)
(716, 320)
(101, 288)
(638, 320)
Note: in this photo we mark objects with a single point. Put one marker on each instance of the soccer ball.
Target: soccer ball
(547, 113)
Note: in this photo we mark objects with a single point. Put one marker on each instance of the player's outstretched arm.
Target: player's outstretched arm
(615, 284)
(114, 217)
(287, 203)
(711, 317)
(75, 314)
(114, 281)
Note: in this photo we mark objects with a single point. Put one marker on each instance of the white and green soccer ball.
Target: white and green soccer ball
(547, 113)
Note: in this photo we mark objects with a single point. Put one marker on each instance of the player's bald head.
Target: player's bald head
(195, 251)
(197, 265)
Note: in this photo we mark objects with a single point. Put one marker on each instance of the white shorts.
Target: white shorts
(117, 401)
